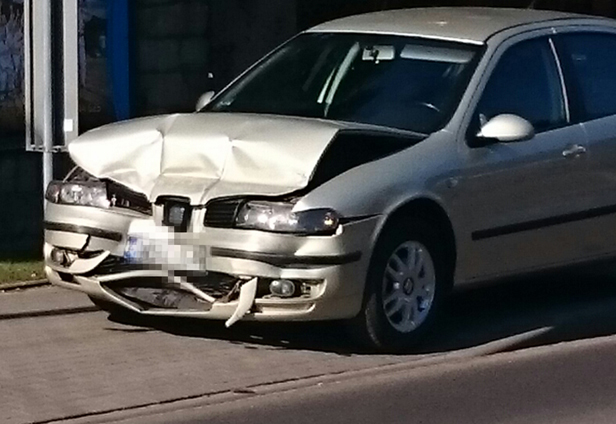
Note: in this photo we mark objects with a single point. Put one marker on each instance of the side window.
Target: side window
(526, 83)
(591, 58)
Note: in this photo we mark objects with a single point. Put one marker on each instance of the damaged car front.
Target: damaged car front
(195, 246)
(268, 203)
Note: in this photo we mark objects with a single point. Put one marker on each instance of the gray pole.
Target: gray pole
(70, 49)
(39, 80)
(39, 83)
(47, 130)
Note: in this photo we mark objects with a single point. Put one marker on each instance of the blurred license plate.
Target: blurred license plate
(162, 252)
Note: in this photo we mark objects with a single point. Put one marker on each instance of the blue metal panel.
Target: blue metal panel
(118, 46)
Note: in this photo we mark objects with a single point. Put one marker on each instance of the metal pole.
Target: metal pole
(28, 58)
(45, 22)
(70, 50)
(39, 83)
(42, 120)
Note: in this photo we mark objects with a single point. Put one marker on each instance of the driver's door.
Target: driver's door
(516, 200)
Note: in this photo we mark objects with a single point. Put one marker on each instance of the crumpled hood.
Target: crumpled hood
(202, 156)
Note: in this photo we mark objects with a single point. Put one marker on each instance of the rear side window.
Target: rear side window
(526, 83)
(591, 58)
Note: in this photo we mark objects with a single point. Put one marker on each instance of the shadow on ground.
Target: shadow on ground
(568, 307)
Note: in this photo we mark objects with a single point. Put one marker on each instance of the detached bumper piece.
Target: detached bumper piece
(163, 298)
(178, 293)
(248, 292)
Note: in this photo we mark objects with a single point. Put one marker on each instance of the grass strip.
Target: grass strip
(20, 270)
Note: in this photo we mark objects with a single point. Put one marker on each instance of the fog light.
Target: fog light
(58, 256)
(282, 288)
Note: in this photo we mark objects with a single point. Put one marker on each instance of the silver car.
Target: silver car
(358, 173)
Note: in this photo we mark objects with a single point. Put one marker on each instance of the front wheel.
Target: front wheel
(406, 283)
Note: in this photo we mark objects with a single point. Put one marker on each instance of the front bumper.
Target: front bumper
(329, 271)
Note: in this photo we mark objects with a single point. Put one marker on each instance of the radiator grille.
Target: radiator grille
(222, 213)
(115, 264)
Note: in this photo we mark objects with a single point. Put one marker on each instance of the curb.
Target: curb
(22, 285)
(47, 313)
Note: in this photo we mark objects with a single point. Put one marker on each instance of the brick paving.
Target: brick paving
(55, 367)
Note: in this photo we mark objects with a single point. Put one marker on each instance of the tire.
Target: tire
(407, 281)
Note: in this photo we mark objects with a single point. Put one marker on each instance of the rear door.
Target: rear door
(589, 60)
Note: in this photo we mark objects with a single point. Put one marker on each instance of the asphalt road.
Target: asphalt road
(63, 361)
(566, 384)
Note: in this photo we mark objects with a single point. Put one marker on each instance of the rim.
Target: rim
(409, 286)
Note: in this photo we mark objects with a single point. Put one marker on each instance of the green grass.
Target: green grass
(21, 270)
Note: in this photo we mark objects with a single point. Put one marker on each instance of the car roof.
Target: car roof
(469, 24)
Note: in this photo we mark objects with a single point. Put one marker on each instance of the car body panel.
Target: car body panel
(466, 24)
(203, 156)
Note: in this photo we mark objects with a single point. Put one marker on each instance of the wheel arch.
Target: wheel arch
(368, 325)
(429, 210)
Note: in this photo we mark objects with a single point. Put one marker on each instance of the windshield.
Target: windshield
(400, 82)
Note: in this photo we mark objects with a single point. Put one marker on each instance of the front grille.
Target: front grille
(123, 197)
(222, 213)
(159, 292)
(214, 284)
(114, 265)
(161, 298)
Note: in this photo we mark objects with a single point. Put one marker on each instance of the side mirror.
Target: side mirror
(505, 128)
(204, 100)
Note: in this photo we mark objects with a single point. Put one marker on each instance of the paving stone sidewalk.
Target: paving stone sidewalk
(55, 367)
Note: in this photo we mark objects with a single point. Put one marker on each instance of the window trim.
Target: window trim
(561, 77)
(490, 68)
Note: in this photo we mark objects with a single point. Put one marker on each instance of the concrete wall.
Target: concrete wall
(21, 207)
(183, 48)
(243, 31)
(170, 54)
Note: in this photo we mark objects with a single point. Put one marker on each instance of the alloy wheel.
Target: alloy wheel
(409, 285)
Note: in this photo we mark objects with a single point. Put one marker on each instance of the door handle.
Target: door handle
(574, 151)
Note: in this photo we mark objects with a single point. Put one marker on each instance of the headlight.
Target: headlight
(78, 193)
(278, 217)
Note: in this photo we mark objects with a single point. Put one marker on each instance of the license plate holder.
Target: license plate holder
(163, 252)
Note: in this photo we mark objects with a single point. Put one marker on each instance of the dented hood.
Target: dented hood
(203, 156)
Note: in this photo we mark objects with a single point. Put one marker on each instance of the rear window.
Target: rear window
(591, 58)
